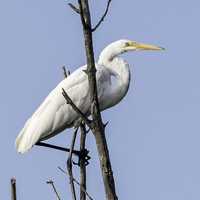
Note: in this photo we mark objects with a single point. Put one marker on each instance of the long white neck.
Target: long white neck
(120, 77)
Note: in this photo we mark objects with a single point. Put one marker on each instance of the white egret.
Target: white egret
(54, 115)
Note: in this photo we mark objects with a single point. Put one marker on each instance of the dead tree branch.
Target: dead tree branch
(13, 189)
(69, 165)
(98, 129)
(54, 189)
(81, 115)
(103, 16)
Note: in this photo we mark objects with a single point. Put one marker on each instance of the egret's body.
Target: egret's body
(54, 115)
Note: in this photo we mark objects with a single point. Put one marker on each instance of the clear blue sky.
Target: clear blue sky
(153, 133)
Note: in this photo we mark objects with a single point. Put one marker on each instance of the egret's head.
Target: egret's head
(121, 46)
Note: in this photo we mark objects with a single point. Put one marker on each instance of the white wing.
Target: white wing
(54, 115)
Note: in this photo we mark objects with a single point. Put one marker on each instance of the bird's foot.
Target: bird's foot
(83, 157)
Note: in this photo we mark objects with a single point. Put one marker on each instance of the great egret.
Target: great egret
(54, 115)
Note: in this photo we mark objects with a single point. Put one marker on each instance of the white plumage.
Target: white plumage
(54, 115)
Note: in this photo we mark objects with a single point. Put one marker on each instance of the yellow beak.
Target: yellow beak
(141, 46)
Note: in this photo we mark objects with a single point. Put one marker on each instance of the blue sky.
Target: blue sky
(153, 133)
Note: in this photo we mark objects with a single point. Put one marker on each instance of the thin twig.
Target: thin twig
(74, 8)
(103, 16)
(75, 152)
(65, 72)
(82, 163)
(76, 109)
(82, 188)
(54, 189)
(69, 165)
(13, 189)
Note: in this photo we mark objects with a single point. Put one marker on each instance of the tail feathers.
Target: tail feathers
(18, 141)
(22, 145)
(23, 141)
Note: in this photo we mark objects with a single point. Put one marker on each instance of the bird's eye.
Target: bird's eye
(127, 44)
(130, 43)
